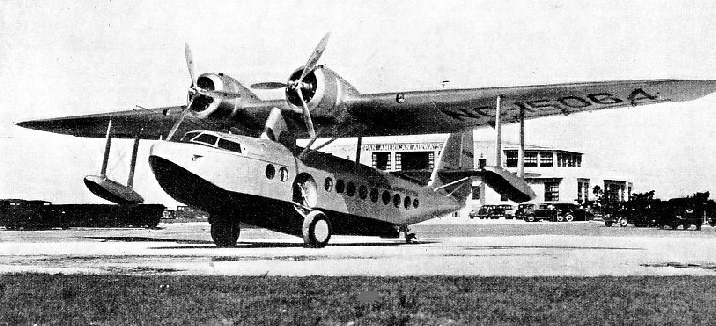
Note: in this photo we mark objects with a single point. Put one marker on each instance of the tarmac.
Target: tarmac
(487, 248)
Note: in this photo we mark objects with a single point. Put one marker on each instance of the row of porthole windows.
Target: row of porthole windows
(271, 172)
(350, 190)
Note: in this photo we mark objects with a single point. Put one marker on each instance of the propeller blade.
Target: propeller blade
(307, 116)
(179, 121)
(268, 85)
(313, 59)
(224, 95)
(190, 64)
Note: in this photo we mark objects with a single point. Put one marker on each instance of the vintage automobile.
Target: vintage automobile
(554, 212)
(489, 211)
(508, 210)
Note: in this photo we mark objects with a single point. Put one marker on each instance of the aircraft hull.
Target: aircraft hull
(273, 214)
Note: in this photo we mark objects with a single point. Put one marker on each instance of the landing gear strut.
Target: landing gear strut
(409, 236)
(224, 231)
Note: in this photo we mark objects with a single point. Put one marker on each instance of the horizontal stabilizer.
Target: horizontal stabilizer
(502, 181)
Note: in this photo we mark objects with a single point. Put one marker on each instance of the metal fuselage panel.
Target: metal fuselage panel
(246, 176)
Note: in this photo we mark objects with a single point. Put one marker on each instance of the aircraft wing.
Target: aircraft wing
(142, 123)
(444, 111)
(400, 113)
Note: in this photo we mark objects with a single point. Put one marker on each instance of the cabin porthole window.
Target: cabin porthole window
(374, 195)
(270, 171)
(363, 192)
(406, 202)
(284, 174)
(350, 188)
(396, 200)
(386, 197)
(416, 203)
(340, 186)
(328, 184)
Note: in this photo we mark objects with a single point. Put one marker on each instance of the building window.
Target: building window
(582, 190)
(475, 192)
(569, 160)
(381, 160)
(530, 159)
(511, 159)
(551, 191)
(546, 159)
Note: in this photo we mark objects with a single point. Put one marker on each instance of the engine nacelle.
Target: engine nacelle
(323, 90)
(206, 107)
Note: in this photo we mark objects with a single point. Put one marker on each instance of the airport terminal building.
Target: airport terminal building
(555, 174)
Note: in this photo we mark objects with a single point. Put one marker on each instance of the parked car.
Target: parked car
(523, 210)
(568, 212)
(538, 212)
(508, 210)
(554, 212)
(488, 211)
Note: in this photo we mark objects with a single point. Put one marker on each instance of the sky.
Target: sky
(63, 58)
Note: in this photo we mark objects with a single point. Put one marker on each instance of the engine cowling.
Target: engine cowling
(323, 90)
(207, 107)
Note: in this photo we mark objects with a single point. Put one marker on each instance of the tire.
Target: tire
(569, 217)
(530, 218)
(225, 232)
(608, 223)
(698, 227)
(560, 218)
(316, 230)
(623, 222)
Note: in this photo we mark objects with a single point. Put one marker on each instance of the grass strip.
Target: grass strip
(361, 300)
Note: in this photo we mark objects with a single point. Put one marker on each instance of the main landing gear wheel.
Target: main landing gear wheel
(316, 230)
(224, 231)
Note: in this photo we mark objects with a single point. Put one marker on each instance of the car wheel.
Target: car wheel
(530, 218)
(569, 217)
(560, 218)
(623, 222)
(607, 223)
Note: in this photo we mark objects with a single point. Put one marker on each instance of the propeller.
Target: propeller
(196, 91)
(298, 85)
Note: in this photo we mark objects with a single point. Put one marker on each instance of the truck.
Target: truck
(23, 214)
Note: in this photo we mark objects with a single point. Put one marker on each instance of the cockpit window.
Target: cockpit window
(188, 136)
(205, 139)
(229, 145)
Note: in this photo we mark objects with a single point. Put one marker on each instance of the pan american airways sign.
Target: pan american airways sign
(404, 147)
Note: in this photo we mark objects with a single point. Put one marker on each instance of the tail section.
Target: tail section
(456, 161)
(455, 171)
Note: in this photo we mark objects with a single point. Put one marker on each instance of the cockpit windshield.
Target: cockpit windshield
(207, 139)
(189, 135)
(229, 145)
(197, 137)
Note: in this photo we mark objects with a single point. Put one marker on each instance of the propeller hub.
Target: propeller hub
(307, 87)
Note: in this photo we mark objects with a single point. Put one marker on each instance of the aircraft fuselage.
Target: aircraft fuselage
(261, 182)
